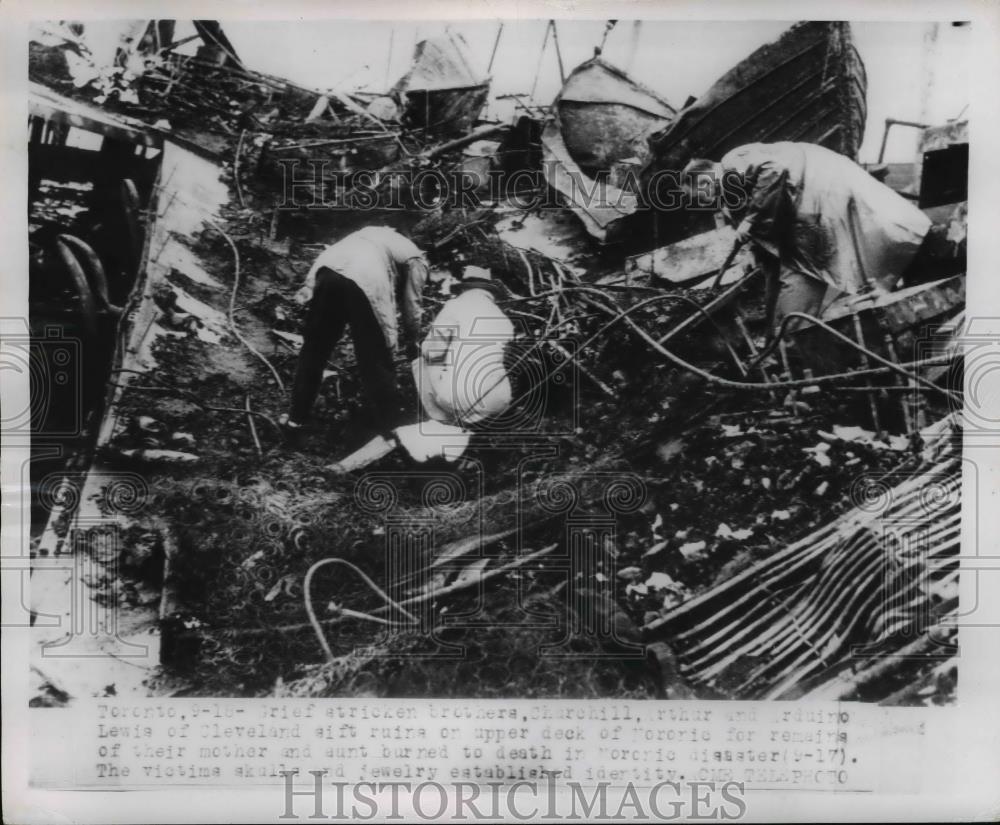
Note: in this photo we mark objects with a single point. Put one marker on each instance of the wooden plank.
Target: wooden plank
(689, 260)
(53, 107)
(904, 308)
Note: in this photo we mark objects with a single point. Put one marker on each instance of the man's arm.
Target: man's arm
(413, 287)
(766, 211)
(305, 292)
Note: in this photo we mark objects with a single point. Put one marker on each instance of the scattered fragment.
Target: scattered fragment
(819, 454)
(693, 549)
(148, 424)
(669, 449)
(661, 581)
(473, 572)
(672, 599)
(724, 532)
(180, 439)
(656, 548)
(859, 435)
(165, 456)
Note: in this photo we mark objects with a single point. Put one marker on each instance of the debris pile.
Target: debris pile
(680, 486)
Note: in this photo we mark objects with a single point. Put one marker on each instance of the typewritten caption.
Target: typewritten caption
(137, 743)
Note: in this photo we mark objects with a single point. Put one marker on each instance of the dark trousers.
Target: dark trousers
(336, 302)
(936, 257)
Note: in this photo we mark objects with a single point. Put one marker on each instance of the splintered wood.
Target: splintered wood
(843, 596)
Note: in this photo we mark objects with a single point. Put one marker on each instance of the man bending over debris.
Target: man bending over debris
(360, 280)
(461, 375)
(818, 222)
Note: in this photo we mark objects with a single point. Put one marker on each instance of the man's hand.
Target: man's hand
(728, 262)
(742, 233)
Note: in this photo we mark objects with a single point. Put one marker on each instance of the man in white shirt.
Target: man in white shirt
(461, 375)
(362, 280)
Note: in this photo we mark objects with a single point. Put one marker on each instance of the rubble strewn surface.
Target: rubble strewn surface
(675, 482)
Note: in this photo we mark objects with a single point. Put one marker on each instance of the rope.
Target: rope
(388, 59)
(607, 30)
(541, 54)
(493, 54)
(555, 42)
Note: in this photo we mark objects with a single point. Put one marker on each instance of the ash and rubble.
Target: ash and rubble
(717, 480)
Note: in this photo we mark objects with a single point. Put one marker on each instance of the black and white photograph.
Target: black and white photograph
(508, 358)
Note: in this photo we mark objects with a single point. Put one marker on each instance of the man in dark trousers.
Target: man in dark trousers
(362, 280)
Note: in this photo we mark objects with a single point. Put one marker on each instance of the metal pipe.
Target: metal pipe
(904, 403)
(891, 121)
(97, 279)
(872, 401)
(87, 305)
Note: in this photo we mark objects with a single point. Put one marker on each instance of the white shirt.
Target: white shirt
(460, 376)
(373, 257)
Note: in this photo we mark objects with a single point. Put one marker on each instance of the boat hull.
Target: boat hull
(807, 86)
(596, 142)
(605, 116)
(601, 207)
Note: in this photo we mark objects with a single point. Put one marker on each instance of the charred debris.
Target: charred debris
(678, 513)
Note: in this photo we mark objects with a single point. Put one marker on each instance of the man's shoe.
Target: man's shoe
(291, 430)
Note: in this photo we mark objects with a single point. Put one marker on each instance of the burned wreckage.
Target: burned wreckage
(677, 502)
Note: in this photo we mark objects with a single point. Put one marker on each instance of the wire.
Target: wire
(236, 168)
(253, 428)
(804, 382)
(749, 385)
(855, 345)
(622, 315)
(668, 296)
(211, 221)
(232, 302)
(307, 599)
